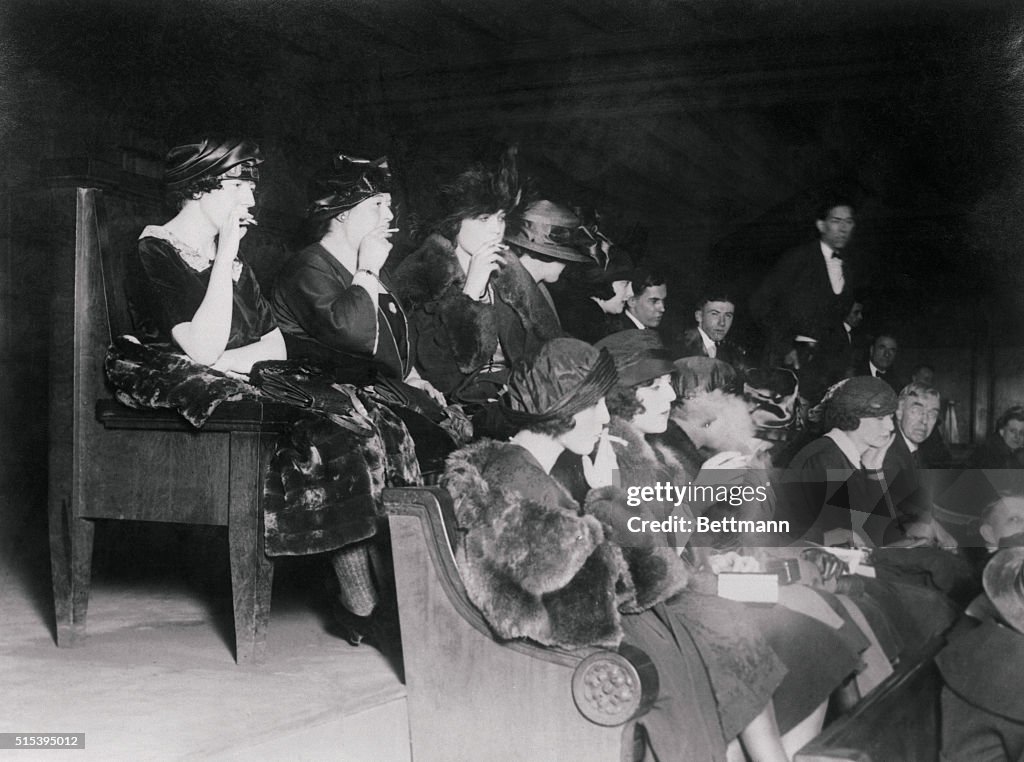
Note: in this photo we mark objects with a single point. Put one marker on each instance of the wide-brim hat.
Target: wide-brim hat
(639, 355)
(549, 229)
(564, 377)
(1004, 585)
(210, 158)
(348, 183)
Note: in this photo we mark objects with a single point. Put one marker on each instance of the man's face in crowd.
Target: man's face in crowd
(855, 316)
(1005, 520)
(883, 352)
(1013, 434)
(917, 417)
(649, 306)
(924, 376)
(715, 319)
(837, 227)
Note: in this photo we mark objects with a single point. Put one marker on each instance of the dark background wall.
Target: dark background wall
(703, 131)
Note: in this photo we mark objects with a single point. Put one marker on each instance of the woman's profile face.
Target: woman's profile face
(587, 428)
(218, 203)
(617, 303)
(477, 232)
(368, 214)
(656, 398)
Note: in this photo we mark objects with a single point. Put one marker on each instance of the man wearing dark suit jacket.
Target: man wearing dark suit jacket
(907, 479)
(645, 307)
(809, 287)
(881, 358)
(714, 316)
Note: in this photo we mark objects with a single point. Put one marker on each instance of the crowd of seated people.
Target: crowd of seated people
(577, 403)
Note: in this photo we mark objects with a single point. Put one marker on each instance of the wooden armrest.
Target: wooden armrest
(229, 416)
(609, 687)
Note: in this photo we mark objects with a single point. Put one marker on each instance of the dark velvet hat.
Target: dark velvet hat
(349, 182)
(566, 376)
(861, 397)
(549, 229)
(639, 355)
(211, 158)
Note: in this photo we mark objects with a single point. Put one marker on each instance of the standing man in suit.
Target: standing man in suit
(714, 316)
(809, 287)
(880, 361)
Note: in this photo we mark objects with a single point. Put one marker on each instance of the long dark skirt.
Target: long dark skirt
(682, 725)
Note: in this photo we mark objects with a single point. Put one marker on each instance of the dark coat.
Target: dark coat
(323, 317)
(456, 335)
(821, 490)
(692, 345)
(796, 297)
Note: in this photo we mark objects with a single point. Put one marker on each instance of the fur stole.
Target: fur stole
(531, 562)
(516, 288)
(657, 571)
(429, 282)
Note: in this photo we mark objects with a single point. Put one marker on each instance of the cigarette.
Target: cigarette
(392, 230)
(615, 439)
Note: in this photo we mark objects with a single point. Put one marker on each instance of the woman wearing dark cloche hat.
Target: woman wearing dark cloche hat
(333, 299)
(198, 294)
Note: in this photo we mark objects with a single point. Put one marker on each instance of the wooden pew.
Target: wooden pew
(472, 697)
(111, 462)
(896, 722)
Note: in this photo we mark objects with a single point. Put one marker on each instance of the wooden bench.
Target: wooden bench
(108, 461)
(473, 697)
(898, 721)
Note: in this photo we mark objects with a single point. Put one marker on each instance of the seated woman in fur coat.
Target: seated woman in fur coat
(538, 567)
(473, 309)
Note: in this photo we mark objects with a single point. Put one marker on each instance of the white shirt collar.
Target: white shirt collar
(709, 344)
(636, 322)
(874, 369)
(846, 445)
(826, 250)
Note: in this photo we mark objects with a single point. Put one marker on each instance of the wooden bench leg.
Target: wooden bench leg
(252, 572)
(71, 541)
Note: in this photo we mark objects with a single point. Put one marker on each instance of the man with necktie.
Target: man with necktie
(810, 286)
(881, 358)
(714, 315)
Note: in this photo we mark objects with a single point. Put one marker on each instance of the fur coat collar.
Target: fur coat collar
(538, 567)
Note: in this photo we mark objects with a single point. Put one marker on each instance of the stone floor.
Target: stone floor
(156, 678)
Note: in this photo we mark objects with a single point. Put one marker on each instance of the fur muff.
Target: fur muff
(534, 566)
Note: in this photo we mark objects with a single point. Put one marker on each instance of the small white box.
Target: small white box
(749, 587)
